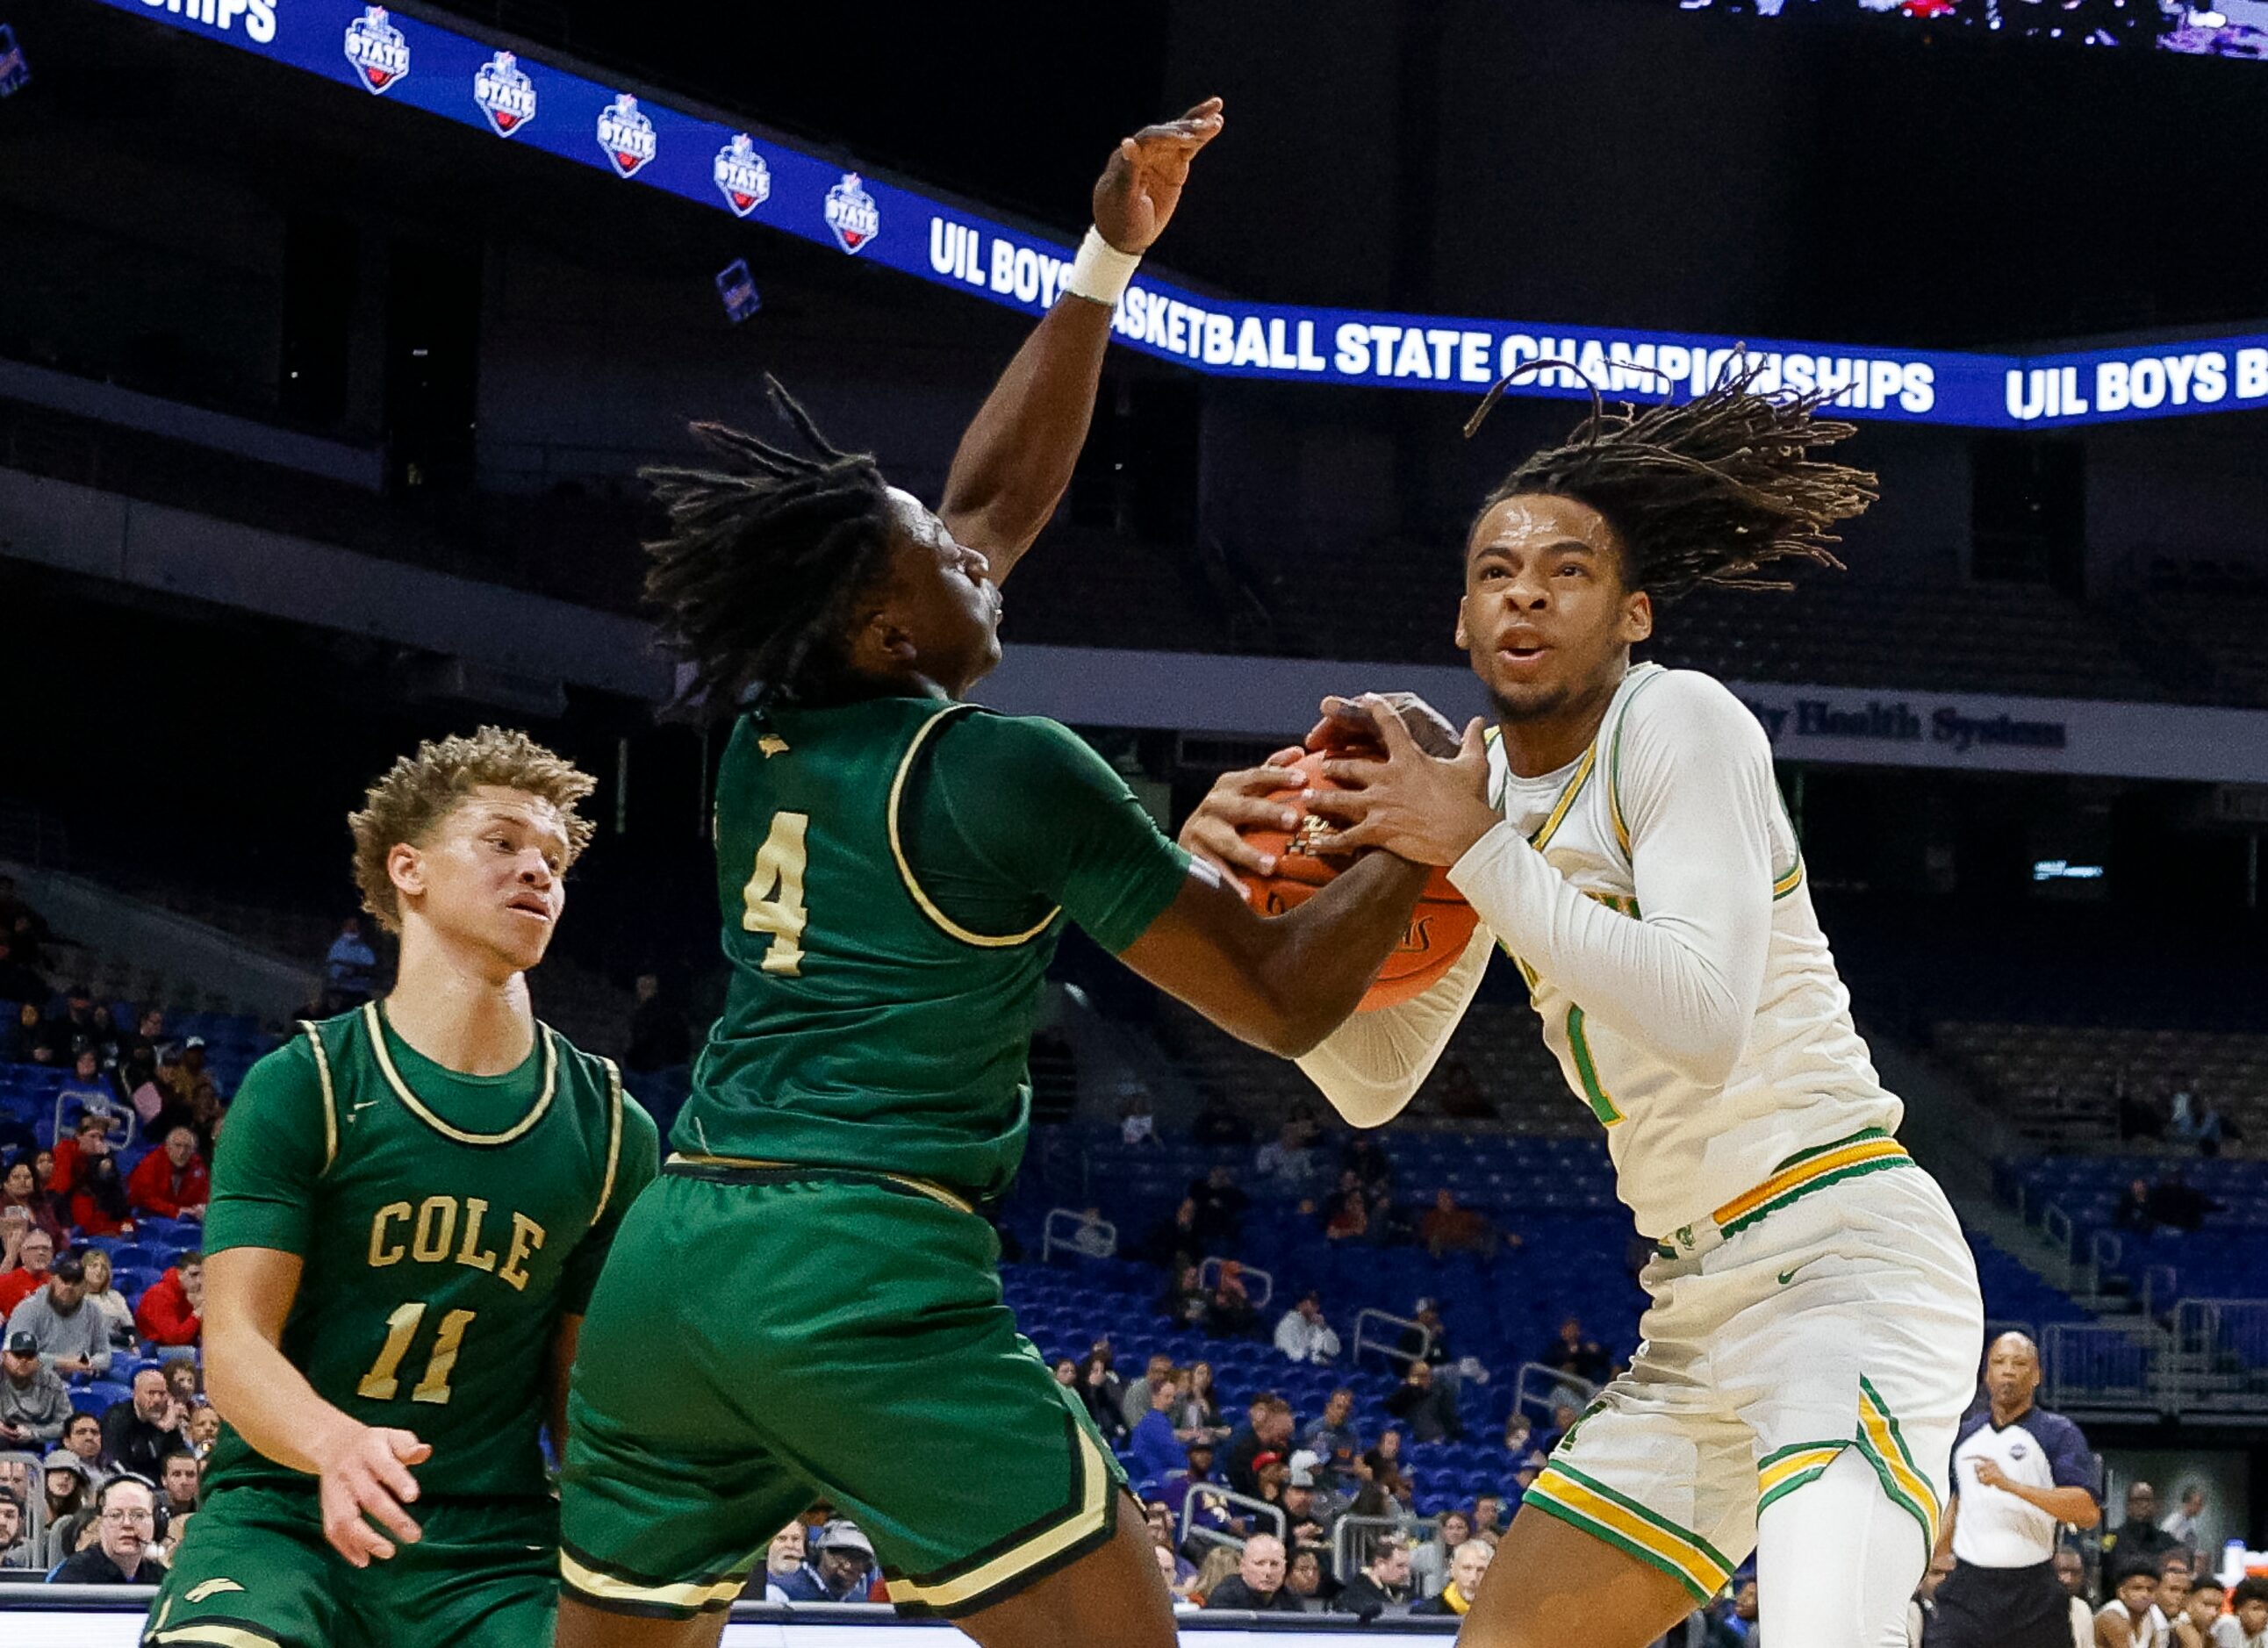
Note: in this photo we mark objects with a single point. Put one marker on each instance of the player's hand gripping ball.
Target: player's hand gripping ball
(1440, 928)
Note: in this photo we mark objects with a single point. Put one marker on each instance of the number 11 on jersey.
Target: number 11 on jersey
(773, 900)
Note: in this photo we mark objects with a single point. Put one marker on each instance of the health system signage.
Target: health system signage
(762, 178)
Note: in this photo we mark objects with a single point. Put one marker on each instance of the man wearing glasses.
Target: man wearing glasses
(127, 1514)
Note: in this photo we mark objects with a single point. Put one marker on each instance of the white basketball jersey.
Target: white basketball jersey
(1803, 1079)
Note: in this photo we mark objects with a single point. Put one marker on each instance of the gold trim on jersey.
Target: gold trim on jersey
(1566, 802)
(614, 1138)
(330, 1098)
(1789, 882)
(218, 1636)
(374, 1022)
(1615, 762)
(928, 1188)
(982, 941)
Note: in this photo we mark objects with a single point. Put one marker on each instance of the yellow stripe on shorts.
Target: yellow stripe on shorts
(690, 1595)
(1092, 1517)
(1621, 1521)
(1782, 1473)
(1885, 1448)
(1859, 1155)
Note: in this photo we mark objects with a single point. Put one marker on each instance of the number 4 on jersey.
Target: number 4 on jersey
(773, 899)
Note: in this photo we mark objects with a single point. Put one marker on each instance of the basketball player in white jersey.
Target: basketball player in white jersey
(1814, 1325)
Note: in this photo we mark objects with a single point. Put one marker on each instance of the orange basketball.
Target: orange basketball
(1440, 928)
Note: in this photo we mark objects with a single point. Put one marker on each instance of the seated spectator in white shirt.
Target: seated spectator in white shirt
(1304, 1335)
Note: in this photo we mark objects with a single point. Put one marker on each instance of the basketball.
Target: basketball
(1440, 928)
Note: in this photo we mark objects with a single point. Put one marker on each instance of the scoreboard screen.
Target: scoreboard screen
(2231, 28)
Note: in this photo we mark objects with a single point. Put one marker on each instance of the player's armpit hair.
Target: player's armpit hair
(420, 791)
(765, 555)
(1709, 492)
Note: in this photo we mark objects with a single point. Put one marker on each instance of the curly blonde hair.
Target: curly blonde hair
(422, 790)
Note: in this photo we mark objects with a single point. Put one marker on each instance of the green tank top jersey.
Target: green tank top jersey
(446, 1223)
(894, 876)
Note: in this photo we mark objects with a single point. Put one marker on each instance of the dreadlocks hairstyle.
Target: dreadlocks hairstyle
(765, 556)
(1708, 492)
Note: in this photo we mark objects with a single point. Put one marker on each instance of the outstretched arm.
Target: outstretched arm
(1017, 457)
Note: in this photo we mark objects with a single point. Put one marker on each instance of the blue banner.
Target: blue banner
(762, 178)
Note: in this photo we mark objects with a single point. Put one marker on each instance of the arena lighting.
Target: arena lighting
(760, 177)
(14, 71)
(2063, 870)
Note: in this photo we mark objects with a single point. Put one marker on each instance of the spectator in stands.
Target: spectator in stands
(1157, 1452)
(2139, 1538)
(1307, 1520)
(1135, 1404)
(15, 1548)
(34, 1402)
(1218, 1567)
(1449, 1228)
(1467, 1565)
(98, 1206)
(1487, 1516)
(782, 1556)
(1176, 1241)
(1334, 1437)
(1175, 1491)
(1200, 1407)
(1304, 1335)
(1428, 1406)
(1257, 1584)
(181, 1479)
(1734, 1625)
(186, 1379)
(2123, 1621)
(117, 1314)
(1288, 1163)
(1571, 1352)
(2174, 1577)
(127, 1513)
(71, 1338)
(203, 1428)
(2178, 1204)
(1428, 1339)
(19, 1190)
(1229, 1313)
(83, 1437)
(1564, 1414)
(1346, 1214)
(840, 1571)
(109, 1039)
(1304, 1576)
(1367, 1162)
(1267, 1430)
(32, 1039)
(2183, 1525)
(2193, 1627)
(1519, 1434)
(1382, 1586)
(1137, 1123)
(91, 1135)
(1217, 1123)
(33, 1252)
(19, 981)
(1103, 1393)
(87, 1088)
(77, 1022)
(349, 970)
(173, 1182)
(139, 1432)
(2246, 1624)
(1220, 1207)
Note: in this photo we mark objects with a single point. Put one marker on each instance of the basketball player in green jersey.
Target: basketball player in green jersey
(895, 866)
(410, 1208)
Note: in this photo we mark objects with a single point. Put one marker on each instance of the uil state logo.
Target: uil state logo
(505, 92)
(381, 56)
(626, 135)
(741, 175)
(852, 213)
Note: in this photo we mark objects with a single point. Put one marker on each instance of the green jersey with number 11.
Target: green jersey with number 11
(446, 1223)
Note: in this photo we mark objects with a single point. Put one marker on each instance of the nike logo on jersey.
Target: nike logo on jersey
(1787, 1277)
(360, 1105)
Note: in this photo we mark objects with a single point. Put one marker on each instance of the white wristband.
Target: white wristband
(1101, 271)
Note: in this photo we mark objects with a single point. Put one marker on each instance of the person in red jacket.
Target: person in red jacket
(173, 1182)
(171, 1312)
(91, 1139)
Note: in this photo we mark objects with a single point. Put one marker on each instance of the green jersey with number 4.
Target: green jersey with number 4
(446, 1222)
(894, 874)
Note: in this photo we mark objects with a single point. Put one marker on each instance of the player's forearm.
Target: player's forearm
(1681, 985)
(254, 1388)
(2074, 1506)
(1319, 959)
(1017, 456)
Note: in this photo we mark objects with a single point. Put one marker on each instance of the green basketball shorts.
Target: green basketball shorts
(764, 1337)
(253, 1570)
